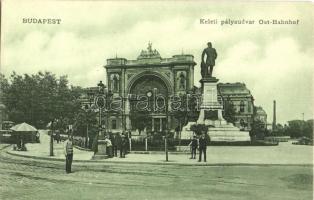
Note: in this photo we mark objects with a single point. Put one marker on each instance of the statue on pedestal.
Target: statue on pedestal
(211, 56)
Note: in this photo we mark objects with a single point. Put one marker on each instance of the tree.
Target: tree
(40, 98)
(179, 110)
(199, 128)
(229, 111)
(300, 128)
(82, 120)
(258, 129)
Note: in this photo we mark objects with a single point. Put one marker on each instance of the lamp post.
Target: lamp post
(101, 102)
(166, 135)
(51, 139)
(51, 136)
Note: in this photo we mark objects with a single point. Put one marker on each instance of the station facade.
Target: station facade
(151, 75)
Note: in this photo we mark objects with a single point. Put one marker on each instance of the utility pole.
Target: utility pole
(274, 116)
(166, 135)
(51, 139)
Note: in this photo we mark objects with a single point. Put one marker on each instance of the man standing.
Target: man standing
(68, 152)
(95, 144)
(109, 147)
(202, 147)
(114, 141)
(193, 145)
(121, 145)
(211, 56)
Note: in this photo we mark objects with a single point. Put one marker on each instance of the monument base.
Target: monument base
(226, 132)
(219, 130)
(102, 150)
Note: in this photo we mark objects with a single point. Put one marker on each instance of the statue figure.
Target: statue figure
(211, 56)
(115, 82)
(182, 81)
(101, 87)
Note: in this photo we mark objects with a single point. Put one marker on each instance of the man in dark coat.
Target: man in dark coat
(193, 145)
(202, 147)
(211, 56)
(114, 141)
(95, 144)
(121, 146)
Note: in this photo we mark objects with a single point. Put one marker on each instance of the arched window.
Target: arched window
(242, 106)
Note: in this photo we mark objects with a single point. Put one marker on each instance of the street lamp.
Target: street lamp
(52, 124)
(87, 109)
(102, 101)
(167, 130)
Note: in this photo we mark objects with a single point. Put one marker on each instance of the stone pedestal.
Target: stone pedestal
(102, 150)
(211, 115)
(211, 109)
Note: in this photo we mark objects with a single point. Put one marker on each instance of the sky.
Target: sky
(274, 61)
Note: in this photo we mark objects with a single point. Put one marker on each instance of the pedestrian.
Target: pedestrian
(122, 146)
(193, 146)
(126, 144)
(95, 144)
(114, 141)
(68, 152)
(58, 137)
(202, 147)
(108, 147)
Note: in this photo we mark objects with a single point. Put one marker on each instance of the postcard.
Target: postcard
(156, 100)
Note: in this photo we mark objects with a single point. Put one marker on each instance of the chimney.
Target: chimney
(274, 116)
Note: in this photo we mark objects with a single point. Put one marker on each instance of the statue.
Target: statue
(101, 87)
(211, 56)
(115, 83)
(182, 81)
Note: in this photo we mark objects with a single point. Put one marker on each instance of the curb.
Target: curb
(157, 163)
(6, 146)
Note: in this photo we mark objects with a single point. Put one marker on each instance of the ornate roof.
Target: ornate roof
(149, 53)
(233, 88)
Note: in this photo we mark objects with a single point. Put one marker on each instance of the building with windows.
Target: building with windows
(144, 79)
(241, 98)
(140, 89)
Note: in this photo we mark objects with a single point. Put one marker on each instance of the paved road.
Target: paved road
(22, 178)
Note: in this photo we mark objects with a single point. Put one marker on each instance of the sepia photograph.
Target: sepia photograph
(156, 100)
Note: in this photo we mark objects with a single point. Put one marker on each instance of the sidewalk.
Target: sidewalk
(284, 153)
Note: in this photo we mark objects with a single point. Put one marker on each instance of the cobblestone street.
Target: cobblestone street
(25, 178)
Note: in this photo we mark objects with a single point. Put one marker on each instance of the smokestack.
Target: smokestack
(274, 116)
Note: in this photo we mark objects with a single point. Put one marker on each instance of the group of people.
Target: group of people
(200, 144)
(114, 143)
(119, 142)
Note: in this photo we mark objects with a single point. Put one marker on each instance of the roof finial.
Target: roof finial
(149, 48)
